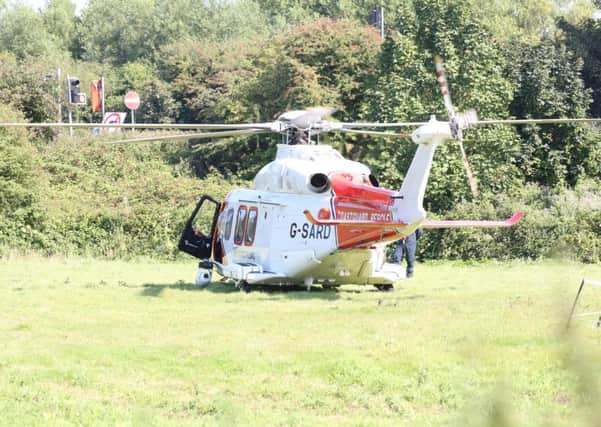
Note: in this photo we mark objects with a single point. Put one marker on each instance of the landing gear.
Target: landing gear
(204, 274)
(244, 287)
(385, 288)
(202, 278)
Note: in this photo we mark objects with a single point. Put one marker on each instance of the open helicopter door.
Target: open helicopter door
(197, 238)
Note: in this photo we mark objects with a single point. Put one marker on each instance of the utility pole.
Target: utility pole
(70, 100)
(382, 22)
(59, 104)
(102, 84)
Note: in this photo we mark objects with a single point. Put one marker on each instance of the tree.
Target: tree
(157, 104)
(341, 53)
(405, 89)
(549, 86)
(585, 41)
(59, 21)
(22, 33)
(118, 32)
(576, 11)
(521, 22)
(21, 216)
(24, 87)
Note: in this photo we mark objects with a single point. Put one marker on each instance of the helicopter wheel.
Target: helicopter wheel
(245, 287)
(385, 288)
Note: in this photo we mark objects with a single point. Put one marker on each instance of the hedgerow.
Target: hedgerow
(85, 197)
(88, 198)
(559, 222)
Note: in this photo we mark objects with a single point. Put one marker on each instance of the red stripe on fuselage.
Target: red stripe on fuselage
(360, 201)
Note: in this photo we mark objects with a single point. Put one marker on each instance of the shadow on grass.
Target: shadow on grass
(292, 292)
(155, 289)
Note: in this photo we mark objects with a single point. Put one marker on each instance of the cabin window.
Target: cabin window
(229, 220)
(240, 225)
(251, 226)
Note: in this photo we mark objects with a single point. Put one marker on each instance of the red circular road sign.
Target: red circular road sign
(132, 100)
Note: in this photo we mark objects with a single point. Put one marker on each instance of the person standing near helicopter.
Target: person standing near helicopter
(406, 248)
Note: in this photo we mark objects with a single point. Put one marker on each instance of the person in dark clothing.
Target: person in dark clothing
(406, 248)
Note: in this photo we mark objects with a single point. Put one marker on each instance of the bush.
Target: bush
(21, 215)
(558, 222)
(122, 201)
(100, 200)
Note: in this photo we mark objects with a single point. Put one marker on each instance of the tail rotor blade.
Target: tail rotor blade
(457, 122)
(444, 88)
(468, 170)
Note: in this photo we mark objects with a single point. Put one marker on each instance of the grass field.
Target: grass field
(88, 342)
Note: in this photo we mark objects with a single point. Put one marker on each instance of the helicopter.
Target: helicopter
(312, 217)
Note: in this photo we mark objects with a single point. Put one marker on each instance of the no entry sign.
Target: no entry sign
(132, 100)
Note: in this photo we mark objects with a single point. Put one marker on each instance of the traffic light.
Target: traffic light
(374, 17)
(74, 96)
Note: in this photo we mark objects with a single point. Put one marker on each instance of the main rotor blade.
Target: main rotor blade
(326, 126)
(360, 125)
(263, 126)
(376, 133)
(535, 121)
(186, 136)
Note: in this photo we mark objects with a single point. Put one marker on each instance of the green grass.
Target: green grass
(85, 342)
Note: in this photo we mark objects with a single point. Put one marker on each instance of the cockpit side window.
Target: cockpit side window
(240, 225)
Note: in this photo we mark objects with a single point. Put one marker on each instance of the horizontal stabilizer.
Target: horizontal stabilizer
(471, 223)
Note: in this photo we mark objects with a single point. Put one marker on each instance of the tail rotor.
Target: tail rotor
(457, 122)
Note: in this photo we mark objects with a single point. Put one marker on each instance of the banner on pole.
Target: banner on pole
(97, 93)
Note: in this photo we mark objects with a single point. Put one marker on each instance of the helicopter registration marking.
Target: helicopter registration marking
(310, 231)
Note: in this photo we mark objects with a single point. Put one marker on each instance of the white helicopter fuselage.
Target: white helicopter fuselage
(286, 248)
(264, 234)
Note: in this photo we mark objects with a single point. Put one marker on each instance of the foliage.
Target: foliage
(26, 89)
(549, 85)
(585, 41)
(518, 22)
(23, 33)
(59, 21)
(341, 53)
(326, 63)
(118, 32)
(557, 222)
(21, 215)
(205, 80)
(117, 201)
(405, 90)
